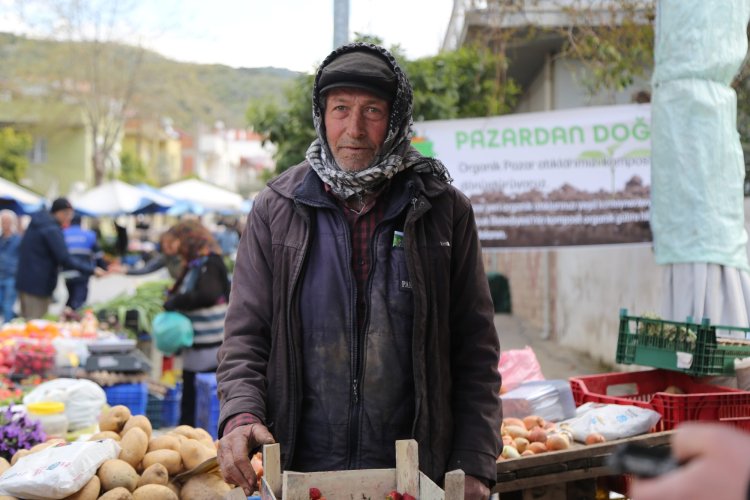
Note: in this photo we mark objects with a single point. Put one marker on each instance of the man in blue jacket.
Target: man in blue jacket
(84, 248)
(42, 252)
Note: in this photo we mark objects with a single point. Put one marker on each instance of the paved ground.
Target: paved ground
(557, 361)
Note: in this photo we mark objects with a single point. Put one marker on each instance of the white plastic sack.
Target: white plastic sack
(83, 399)
(610, 420)
(58, 471)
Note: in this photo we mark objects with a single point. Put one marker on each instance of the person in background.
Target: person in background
(166, 256)
(10, 241)
(200, 292)
(360, 311)
(228, 237)
(84, 248)
(715, 466)
(41, 253)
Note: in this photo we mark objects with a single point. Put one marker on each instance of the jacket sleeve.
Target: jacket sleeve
(151, 266)
(56, 242)
(475, 353)
(208, 289)
(244, 354)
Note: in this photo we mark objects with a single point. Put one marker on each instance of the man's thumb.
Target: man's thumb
(262, 435)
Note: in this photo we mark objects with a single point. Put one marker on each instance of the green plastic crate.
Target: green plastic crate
(686, 347)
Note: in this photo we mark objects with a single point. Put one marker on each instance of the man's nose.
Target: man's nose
(356, 125)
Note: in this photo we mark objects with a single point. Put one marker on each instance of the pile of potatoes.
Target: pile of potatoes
(532, 435)
(146, 464)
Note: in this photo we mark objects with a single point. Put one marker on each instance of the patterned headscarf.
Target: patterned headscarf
(396, 154)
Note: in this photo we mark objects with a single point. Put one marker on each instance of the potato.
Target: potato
(114, 419)
(134, 445)
(118, 493)
(202, 434)
(7, 497)
(154, 492)
(115, 473)
(170, 458)
(138, 421)
(175, 489)
(531, 421)
(47, 444)
(204, 487)
(537, 435)
(4, 465)
(164, 442)
(90, 490)
(155, 474)
(194, 453)
(18, 455)
(187, 431)
(105, 435)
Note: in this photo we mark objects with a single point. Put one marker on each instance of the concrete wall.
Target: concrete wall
(574, 294)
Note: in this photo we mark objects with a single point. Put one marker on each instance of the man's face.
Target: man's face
(356, 125)
(64, 216)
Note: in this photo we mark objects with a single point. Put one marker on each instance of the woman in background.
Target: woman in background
(201, 292)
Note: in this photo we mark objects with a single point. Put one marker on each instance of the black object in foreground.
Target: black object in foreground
(642, 461)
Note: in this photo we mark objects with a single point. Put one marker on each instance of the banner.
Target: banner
(571, 177)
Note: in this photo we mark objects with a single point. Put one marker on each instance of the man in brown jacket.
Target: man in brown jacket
(360, 312)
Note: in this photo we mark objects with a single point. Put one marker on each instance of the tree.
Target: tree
(613, 40)
(14, 149)
(93, 71)
(132, 169)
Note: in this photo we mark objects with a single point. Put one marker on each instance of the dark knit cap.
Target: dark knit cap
(360, 69)
(60, 204)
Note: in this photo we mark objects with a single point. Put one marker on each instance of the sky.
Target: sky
(292, 34)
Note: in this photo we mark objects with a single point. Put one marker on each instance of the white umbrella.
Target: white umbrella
(119, 198)
(207, 195)
(18, 199)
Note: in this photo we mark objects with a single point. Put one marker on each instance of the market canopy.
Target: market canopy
(209, 196)
(18, 199)
(119, 198)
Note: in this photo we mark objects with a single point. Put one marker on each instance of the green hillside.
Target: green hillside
(188, 93)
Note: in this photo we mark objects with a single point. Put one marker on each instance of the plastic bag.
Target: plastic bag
(58, 471)
(610, 420)
(83, 399)
(550, 399)
(517, 366)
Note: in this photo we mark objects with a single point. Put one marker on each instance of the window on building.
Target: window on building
(38, 153)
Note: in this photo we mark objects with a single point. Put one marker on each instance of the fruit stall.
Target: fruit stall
(558, 458)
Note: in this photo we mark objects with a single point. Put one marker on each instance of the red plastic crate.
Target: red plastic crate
(701, 401)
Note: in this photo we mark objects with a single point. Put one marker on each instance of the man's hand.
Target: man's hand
(234, 454)
(717, 465)
(474, 489)
(99, 272)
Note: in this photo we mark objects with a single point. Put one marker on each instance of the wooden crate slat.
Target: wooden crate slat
(339, 485)
(272, 467)
(454, 485)
(407, 466)
(428, 489)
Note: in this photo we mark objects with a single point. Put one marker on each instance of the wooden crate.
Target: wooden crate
(373, 484)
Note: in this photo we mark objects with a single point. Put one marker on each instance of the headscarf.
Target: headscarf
(396, 153)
